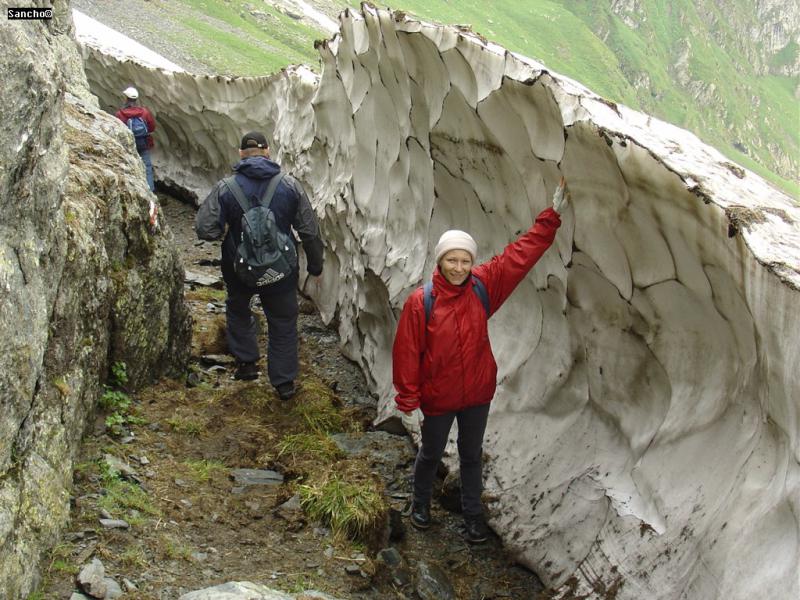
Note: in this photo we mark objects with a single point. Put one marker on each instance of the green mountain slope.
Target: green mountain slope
(692, 63)
(689, 60)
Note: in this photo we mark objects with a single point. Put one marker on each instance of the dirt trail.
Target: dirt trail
(192, 526)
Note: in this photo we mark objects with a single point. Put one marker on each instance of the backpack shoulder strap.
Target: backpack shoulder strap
(427, 299)
(236, 190)
(266, 199)
(480, 290)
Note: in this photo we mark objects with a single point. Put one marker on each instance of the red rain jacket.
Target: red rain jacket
(126, 112)
(448, 365)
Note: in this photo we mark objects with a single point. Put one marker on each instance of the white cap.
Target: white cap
(131, 93)
(455, 239)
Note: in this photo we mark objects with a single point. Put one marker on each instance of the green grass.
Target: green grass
(173, 548)
(206, 294)
(349, 507)
(715, 57)
(60, 563)
(233, 42)
(202, 471)
(785, 57)
(297, 583)
(134, 557)
(316, 411)
(64, 567)
(121, 498)
(309, 445)
(186, 426)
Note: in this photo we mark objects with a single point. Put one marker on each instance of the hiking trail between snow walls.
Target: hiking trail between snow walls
(644, 441)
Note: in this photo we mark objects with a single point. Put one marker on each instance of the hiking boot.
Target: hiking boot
(246, 371)
(475, 530)
(420, 515)
(286, 390)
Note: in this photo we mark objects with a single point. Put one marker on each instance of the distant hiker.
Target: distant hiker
(142, 125)
(443, 362)
(259, 205)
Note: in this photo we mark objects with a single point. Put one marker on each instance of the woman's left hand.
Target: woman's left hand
(412, 420)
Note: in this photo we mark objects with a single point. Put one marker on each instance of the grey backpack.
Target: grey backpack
(265, 254)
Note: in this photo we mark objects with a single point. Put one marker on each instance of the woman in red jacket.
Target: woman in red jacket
(443, 362)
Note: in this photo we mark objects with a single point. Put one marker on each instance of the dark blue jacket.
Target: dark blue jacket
(220, 213)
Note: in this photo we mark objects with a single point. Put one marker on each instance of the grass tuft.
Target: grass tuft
(186, 426)
(202, 471)
(173, 549)
(59, 560)
(134, 557)
(317, 411)
(305, 446)
(205, 294)
(351, 506)
(122, 497)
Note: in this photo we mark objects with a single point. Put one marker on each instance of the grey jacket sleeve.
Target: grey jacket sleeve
(306, 225)
(207, 223)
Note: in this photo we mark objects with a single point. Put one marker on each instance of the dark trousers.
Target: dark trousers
(435, 429)
(280, 308)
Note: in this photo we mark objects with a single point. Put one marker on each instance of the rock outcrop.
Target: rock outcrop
(84, 281)
(644, 441)
(244, 590)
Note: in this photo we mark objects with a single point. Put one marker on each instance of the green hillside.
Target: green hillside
(682, 61)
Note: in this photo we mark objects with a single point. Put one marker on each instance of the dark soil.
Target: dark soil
(191, 528)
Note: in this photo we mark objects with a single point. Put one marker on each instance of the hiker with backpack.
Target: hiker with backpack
(443, 364)
(256, 209)
(142, 124)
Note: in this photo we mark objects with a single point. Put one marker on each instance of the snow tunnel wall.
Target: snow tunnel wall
(200, 119)
(643, 441)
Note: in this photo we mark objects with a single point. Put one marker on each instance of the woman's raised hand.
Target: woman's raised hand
(562, 196)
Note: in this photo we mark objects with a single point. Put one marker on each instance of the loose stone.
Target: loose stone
(114, 524)
(433, 584)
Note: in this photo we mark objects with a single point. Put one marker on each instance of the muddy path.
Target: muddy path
(171, 470)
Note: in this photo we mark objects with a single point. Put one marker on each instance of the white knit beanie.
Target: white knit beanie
(455, 239)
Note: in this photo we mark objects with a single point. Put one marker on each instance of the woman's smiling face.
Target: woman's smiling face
(456, 266)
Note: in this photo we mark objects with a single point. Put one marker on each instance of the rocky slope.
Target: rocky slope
(86, 281)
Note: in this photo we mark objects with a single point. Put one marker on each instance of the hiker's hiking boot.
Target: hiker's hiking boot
(420, 515)
(286, 390)
(475, 530)
(245, 371)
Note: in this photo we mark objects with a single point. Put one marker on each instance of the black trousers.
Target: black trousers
(280, 308)
(435, 429)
